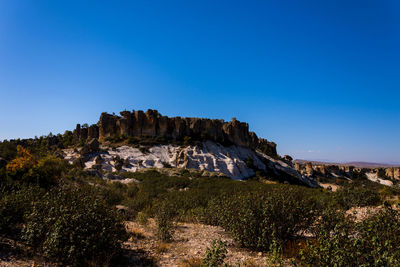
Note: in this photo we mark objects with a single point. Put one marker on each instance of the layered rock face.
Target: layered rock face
(379, 175)
(393, 173)
(210, 157)
(153, 124)
(308, 169)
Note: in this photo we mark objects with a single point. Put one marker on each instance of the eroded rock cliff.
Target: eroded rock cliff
(152, 124)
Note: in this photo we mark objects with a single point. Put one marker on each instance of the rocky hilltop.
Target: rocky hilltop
(152, 124)
(136, 140)
(382, 175)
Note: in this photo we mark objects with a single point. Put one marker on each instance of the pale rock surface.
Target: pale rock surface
(373, 176)
(210, 156)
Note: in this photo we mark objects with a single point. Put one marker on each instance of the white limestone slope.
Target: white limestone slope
(209, 156)
(373, 176)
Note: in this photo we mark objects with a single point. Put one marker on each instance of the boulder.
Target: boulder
(288, 158)
(90, 147)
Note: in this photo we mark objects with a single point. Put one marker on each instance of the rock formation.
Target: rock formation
(153, 124)
(207, 156)
(288, 158)
(305, 169)
(393, 173)
(90, 147)
(309, 169)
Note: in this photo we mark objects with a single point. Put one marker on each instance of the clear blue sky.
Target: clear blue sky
(320, 78)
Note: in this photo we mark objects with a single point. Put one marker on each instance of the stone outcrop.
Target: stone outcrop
(91, 147)
(383, 175)
(288, 158)
(305, 169)
(153, 124)
(393, 173)
(309, 169)
(207, 157)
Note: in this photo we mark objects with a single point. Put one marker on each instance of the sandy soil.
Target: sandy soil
(188, 245)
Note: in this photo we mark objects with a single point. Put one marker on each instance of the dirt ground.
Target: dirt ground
(188, 245)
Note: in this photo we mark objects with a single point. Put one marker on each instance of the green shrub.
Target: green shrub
(164, 216)
(215, 255)
(356, 196)
(13, 207)
(379, 239)
(371, 242)
(255, 220)
(75, 227)
(114, 193)
(142, 218)
(46, 172)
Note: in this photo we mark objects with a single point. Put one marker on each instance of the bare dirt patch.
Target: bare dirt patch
(188, 245)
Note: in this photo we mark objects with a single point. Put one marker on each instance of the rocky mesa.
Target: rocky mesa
(152, 124)
(216, 146)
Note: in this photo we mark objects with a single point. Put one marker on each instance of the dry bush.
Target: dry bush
(162, 247)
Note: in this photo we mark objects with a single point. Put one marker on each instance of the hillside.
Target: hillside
(137, 140)
(128, 191)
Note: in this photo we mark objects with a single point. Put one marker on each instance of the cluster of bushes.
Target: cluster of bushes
(45, 203)
(75, 227)
(356, 196)
(49, 205)
(26, 169)
(342, 241)
(253, 212)
(14, 205)
(256, 220)
(272, 217)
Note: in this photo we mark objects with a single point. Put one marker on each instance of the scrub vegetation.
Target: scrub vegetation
(68, 217)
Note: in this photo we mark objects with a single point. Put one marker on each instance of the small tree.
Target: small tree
(23, 161)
